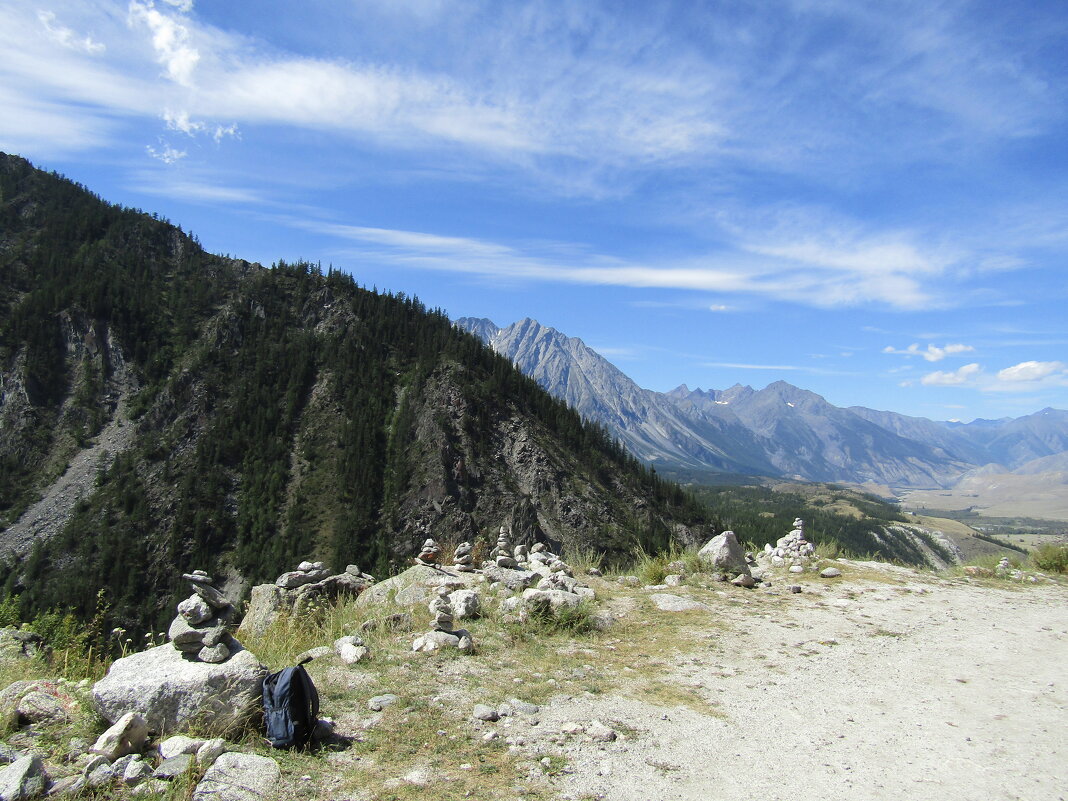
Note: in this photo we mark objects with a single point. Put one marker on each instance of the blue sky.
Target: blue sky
(865, 199)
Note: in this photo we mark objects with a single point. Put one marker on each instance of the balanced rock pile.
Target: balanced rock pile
(462, 560)
(503, 555)
(442, 635)
(428, 554)
(295, 592)
(793, 549)
(201, 630)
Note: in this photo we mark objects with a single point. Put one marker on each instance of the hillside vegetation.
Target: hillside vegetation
(278, 414)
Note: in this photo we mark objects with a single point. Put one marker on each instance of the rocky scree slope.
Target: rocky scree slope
(272, 415)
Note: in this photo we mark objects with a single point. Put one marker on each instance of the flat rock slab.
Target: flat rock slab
(239, 777)
(666, 602)
(416, 585)
(172, 693)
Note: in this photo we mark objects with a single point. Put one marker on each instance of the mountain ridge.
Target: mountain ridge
(781, 430)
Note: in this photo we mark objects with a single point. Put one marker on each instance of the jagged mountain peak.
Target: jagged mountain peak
(780, 429)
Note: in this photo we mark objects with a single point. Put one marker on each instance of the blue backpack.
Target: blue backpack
(290, 707)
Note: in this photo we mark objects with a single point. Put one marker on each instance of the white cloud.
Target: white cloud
(931, 353)
(166, 153)
(67, 37)
(170, 39)
(964, 375)
(1032, 371)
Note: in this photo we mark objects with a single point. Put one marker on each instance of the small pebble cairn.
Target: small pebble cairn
(462, 559)
(502, 555)
(429, 554)
(441, 609)
(442, 635)
(793, 548)
(201, 631)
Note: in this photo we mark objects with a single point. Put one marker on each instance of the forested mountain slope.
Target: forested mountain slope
(276, 414)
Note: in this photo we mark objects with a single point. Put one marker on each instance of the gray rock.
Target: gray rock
(744, 580)
(485, 712)
(549, 602)
(314, 653)
(181, 633)
(212, 596)
(673, 603)
(674, 580)
(172, 693)
(136, 772)
(523, 707)
(175, 766)
(436, 640)
(601, 733)
(25, 778)
(100, 776)
(195, 610)
(9, 754)
(629, 581)
(830, 572)
(725, 553)
(352, 654)
(794, 588)
(514, 580)
(294, 579)
(210, 751)
(128, 735)
(380, 702)
(214, 654)
(178, 744)
(151, 788)
(239, 777)
(797, 568)
(38, 706)
(466, 604)
(266, 603)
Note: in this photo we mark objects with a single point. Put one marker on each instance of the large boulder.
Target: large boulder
(239, 777)
(416, 585)
(173, 693)
(725, 553)
(269, 601)
(24, 778)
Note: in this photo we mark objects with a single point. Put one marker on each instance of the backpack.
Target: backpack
(290, 707)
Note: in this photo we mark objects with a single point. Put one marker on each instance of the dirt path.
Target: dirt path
(893, 687)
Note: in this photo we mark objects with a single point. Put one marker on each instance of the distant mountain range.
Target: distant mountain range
(780, 430)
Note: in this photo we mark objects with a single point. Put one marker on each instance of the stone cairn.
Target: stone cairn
(462, 559)
(442, 634)
(441, 608)
(201, 631)
(306, 573)
(502, 555)
(429, 554)
(793, 549)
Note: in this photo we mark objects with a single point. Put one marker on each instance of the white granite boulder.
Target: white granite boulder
(725, 553)
(173, 693)
(239, 777)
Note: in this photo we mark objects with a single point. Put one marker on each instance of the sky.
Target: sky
(865, 199)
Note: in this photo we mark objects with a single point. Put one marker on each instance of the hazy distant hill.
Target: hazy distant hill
(779, 430)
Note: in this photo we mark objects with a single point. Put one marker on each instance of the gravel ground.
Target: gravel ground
(905, 686)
